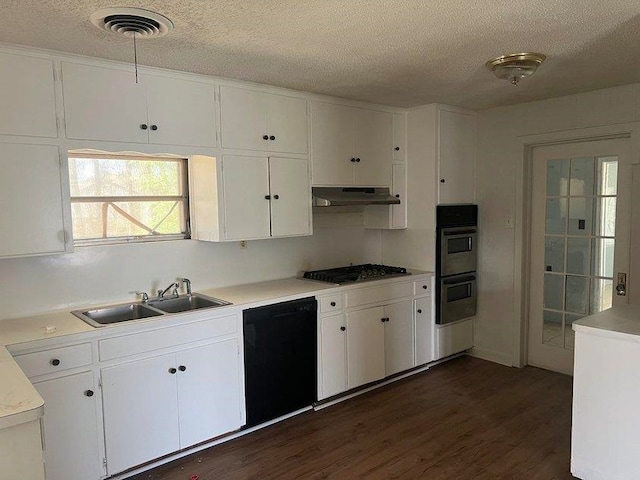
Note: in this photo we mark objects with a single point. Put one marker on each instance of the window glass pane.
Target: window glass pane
(569, 334)
(554, 254)
(127, 219)
(601, 294)
(553, 290)
(577, 294)
(557, 178)
(606, 216)
(603, 250)
(104, 177)
(552, 328)
(580, 216)
(578, 256)
(607, 170)
(581, 176)
(556, 216)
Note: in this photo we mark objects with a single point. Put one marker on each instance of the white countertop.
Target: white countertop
(622, 322)
(20, 401)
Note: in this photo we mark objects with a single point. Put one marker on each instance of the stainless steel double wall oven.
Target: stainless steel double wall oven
(456, 262)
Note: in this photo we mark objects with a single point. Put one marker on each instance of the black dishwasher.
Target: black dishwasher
(280, 359)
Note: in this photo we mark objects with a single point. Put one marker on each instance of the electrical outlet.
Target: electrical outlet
(243, 244)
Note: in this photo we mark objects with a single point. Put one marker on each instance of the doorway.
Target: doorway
(579, 242)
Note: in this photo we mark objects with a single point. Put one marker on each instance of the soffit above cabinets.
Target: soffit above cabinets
(395, 53)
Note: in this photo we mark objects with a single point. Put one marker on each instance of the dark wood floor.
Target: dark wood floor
(465, 419)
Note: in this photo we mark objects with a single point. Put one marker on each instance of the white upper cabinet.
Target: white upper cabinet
(27, 96)
(399, 137)
(32, 217)
(350, 146)
(259, 121)
(289, 187)
(107, 104)
(456, 172)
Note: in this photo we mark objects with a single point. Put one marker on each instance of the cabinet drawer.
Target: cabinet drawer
(55, 360)
(378, 294)
(111, 348)
(331, 303)
(423, 286)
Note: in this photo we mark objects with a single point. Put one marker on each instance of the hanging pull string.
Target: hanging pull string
(135, 55)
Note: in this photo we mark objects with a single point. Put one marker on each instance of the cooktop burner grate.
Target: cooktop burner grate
(355, 273)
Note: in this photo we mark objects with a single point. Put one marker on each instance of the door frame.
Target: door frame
(522, 233)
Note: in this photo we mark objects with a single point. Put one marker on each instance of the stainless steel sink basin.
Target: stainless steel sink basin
(186, 303)
(116, 314)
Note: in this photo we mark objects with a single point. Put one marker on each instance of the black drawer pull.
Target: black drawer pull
(343, 328)
(419, 310)
(88, 393)
(55, 362)
(172, 371)
(333, 304)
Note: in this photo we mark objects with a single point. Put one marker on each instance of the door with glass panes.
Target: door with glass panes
(580, 215)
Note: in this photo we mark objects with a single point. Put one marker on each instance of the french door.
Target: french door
(579, 249)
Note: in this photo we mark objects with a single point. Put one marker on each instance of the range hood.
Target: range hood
(345, 196)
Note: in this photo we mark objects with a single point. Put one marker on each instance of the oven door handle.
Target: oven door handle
(456, 281)
(459, 232)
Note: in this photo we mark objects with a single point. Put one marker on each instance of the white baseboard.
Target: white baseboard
(491, 355)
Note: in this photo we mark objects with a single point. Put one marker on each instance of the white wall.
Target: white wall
(502, 136)
(107, 273)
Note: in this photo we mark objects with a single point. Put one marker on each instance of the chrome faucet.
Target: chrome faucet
(145, 296)
(187, 282)
(174, 285)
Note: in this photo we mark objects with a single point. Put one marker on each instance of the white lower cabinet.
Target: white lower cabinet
(333, 351)
(365, 346)
(424, 330)
(156, 406)
(70, 424)
(399, 337)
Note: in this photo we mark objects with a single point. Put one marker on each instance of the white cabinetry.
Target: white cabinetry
(453, 338)
(456, 157)
(424, 330)
(27, 96)
(245, 198)
(350, 146)
(365, 346)
(390, 217)
(253, 120)
(33, 215)
(159, 405)
(399, 337)
(107, 104)
(333, 352)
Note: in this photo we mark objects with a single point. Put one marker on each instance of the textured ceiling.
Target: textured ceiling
(394, 52)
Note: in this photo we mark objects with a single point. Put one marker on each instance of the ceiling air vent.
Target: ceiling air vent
(132, 22)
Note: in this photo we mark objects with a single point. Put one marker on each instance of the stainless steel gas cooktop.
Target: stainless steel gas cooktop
(355, 273)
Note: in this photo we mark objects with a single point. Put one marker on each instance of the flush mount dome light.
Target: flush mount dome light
(132, 22)
(515, 66)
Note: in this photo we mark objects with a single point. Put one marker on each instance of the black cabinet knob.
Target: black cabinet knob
(343, 328)
(357, 160)
(88, 393)
(182, 368)
(442, 180)
(397, 149)
(265, 137)
(267, 197)
(353, 160)
(277, 197)
(383, 320)
(424, 286)
(154, 127)
(272, 137)
(143, 126)
(172, 370)
(397, 195)
(419, 310)
(55, 362)
(333, 304)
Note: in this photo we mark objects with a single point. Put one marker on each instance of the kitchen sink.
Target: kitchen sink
(157, 307)
(116, 314)
(186, 303)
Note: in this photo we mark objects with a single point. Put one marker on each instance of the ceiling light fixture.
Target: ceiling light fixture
(515, 66)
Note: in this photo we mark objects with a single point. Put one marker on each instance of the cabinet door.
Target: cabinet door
(209, 398)
(290, 196)
(456, 158)
(244, 119)
(103, 104)
(183, 112)
(27, 96)
(373, 138)
(332, 130)
(399, 338)
(399, 137)
(140, 411)
(287, 122)
(399, 189)
(365, 346)
(424, 330)
(71, 428)
(31, 216)
(246, 197)
(333, 345)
